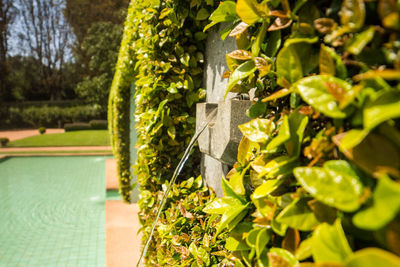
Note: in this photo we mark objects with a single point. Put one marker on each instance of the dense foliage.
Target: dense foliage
(49, 114)
(317, 176)
(119, 106)
(168, 46)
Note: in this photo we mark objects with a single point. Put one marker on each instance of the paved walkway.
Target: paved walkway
(19, 134)
(123, 243)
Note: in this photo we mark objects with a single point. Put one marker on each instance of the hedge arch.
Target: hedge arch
(119, 106)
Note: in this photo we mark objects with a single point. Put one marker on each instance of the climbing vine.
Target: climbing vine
(317, 173)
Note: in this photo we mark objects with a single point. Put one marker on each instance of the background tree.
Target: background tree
(7, 15)
(46, 35)
(97, 26)
(101, 46)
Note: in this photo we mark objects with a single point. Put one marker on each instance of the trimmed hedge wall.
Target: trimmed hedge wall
(119, 106)
(47, 115)
(169, 59)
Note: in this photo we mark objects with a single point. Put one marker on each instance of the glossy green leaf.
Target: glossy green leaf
(284, 254)
(372, 257)
(385, 206)
(256, 47)
(326, 62)
(263, 238)
(324, 93)
(266, 188)
(221, 205)
(352, 14)
(279, 166)
(298, 215)
(304, 251)
(273, 44)
(251, 238)
(297, 125)
(250, 11)
(236, 182)
(336, 184)
(233, 214)
(229, 192)
(352, 138)
(243, 71)
(356, 45)
(258, 130)
(329, 244)
(245, 150)
(225, 12)
(384, 107)
(288, 65)
(233, 244)
(283, 135)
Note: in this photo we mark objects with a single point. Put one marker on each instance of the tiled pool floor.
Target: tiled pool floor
(52, 211)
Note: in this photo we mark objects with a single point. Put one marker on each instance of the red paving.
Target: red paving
(123, 244)
(19, 134)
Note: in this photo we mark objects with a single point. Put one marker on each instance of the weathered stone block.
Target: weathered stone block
(221, 139)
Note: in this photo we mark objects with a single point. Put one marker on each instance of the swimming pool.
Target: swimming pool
(52, 211)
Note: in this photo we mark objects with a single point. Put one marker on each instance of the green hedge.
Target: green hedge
(169, 47)
(317, 177)
(47, 115)
(119, 106)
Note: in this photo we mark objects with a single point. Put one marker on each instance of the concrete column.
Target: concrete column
(215, 66)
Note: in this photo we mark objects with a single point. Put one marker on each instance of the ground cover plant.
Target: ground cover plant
(317, 177)
(75, 138)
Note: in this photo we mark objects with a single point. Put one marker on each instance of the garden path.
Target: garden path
(19, 134)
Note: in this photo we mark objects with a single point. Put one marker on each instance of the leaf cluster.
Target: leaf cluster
(316, 181)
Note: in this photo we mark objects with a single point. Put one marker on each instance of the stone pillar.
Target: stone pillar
(215, 66)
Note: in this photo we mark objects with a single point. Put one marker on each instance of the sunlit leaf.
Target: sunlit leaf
(359, 41)
(324, 93)
(225, 12)
(385, 206)
(372, 257)
(329, 243)
(384, 107)
(243, 71)
(288, 65)
(336, 184)
(352, 14)
(298, 215)
(258, 130)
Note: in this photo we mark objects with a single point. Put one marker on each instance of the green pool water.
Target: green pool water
(52, 211)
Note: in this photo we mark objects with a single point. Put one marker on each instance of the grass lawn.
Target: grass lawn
(75, 138)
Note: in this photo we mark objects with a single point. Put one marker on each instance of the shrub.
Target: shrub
(49, 116)
(42, 130)
(318, 171)
(98, 124)
(78, 126)
(4, 141)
